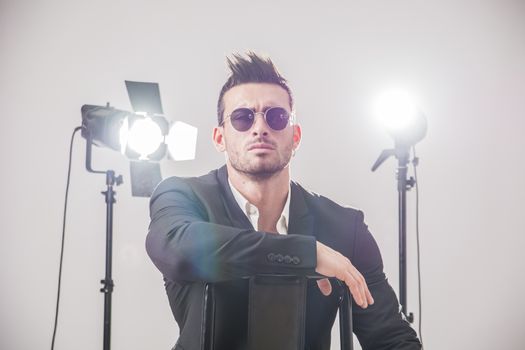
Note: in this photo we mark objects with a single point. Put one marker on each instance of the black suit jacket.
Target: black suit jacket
(199, 234)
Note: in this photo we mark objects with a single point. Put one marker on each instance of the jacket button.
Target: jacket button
(271, 257)
(287, 259)
(279, 258)
(296, 260)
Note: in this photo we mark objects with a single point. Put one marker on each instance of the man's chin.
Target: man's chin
(261, 171)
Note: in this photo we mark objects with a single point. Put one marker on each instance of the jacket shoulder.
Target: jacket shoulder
(323, 205)
(335, 225)
(178, 182)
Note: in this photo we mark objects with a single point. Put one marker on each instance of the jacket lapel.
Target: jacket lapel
(301, 222)
(237, 216)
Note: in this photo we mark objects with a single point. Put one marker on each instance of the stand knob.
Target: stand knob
(118, 180)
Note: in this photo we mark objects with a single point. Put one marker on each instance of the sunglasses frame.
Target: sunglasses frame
(290, 121)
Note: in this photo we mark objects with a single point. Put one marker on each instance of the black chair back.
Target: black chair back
(276, 315)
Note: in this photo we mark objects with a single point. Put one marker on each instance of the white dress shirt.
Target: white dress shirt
(252, 212)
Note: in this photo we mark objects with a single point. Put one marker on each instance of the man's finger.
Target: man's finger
(363, 287)
(368, 295)
(365, 293)
(354, 289)
(325, 286)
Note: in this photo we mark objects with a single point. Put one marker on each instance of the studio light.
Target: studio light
(406, 124)
(398, 112)
(139, 137)
(143, 136)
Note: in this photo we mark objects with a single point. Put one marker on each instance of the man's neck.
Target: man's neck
(268, 194)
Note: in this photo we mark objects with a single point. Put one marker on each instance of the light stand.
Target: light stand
(108, 127)
(109, 195)
(404, 184)
(101, 126)
(404, 138)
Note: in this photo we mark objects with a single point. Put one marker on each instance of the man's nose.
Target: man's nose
(259, 124)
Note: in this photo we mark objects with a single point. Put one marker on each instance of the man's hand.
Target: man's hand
(331, 263)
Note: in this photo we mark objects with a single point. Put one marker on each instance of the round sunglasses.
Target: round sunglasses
(242, 119)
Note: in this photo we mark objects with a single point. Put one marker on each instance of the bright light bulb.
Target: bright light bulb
(396, 110)
(181, 141)
(144, 137)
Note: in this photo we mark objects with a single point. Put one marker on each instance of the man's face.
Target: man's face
(259, 151)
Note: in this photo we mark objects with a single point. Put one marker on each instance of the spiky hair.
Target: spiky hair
(250, 68)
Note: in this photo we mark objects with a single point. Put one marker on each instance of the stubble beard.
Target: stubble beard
(260, 170)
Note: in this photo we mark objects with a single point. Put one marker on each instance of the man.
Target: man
(248, 218)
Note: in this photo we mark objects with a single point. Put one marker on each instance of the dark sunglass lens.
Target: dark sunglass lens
(242, 119)
(277, 118)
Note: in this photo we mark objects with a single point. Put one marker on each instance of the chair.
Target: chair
(276, 315)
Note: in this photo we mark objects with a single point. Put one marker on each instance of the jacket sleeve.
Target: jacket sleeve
(381, 325)
(185, 246)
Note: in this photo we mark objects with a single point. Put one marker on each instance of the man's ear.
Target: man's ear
(296, 136)
(218, 138)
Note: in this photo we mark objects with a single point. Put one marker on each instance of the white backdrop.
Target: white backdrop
(463, 59)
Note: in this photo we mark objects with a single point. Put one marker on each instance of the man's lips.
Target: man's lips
(260, 146)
